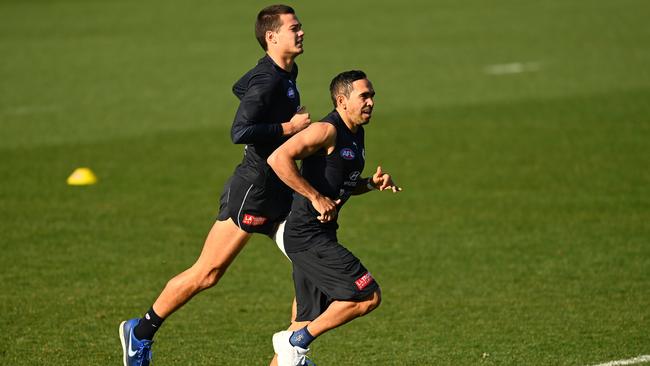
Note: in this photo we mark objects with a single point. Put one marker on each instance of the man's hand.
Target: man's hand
(298, 122)
(325, 207)
(382, 181)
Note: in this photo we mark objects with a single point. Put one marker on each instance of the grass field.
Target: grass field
(520, 131)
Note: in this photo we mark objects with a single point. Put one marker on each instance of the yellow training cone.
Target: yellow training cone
(82, 177)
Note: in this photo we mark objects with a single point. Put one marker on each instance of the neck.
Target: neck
(284, 61)
(351, 126)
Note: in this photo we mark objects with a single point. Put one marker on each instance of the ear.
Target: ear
(341, 101)
(270, 37)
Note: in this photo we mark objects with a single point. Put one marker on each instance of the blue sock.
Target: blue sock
(301, 338)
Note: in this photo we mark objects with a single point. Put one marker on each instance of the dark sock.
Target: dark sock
(301, 338)
(148, 325)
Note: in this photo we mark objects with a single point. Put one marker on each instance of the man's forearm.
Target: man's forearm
(366, 185)
(243, 133)
(287, 170)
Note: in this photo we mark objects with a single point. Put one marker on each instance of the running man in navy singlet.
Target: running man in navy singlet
(332, 285)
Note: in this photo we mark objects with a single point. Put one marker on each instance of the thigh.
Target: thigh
(335, 272)
(223, 243)
(310, 300)
(253, 208)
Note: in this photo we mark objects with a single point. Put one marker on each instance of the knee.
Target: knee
(200, 279)
(376, 300)
(209, 278)
(371, 302)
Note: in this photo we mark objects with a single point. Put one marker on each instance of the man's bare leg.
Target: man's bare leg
(224, 241)
(341, 312)
(337, 313)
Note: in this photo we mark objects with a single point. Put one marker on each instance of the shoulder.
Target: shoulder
(255, 83)
(264, 72)
(319, 131)
(323, 131)
(319, 135)
(324, 126)
(261, 77)
(264, 75)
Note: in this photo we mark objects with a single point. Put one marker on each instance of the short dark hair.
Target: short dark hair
(268, 19)
(342, 83)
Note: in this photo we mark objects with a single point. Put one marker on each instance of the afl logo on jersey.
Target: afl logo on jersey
(291, 93)
(347, 153)
(354, 175)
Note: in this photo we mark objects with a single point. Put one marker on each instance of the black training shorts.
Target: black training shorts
(254, 208)
(327, 272)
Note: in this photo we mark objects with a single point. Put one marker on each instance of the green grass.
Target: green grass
(522, 236)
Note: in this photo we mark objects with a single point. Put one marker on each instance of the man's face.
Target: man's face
(359, 105)
(289, 37)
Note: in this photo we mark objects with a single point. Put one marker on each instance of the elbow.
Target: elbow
(238, 136)
(272, 159)
(277, 161)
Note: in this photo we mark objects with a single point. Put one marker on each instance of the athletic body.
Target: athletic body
(332, 285)
(254, 200)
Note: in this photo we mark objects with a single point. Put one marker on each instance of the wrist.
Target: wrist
(287, 128)
(370, 184)
(313, 196)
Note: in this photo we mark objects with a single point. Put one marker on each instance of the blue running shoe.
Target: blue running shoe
(136, 352)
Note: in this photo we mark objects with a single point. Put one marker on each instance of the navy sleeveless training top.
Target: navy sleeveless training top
(336, 176)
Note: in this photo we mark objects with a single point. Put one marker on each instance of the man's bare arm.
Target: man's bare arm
(316, 137)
